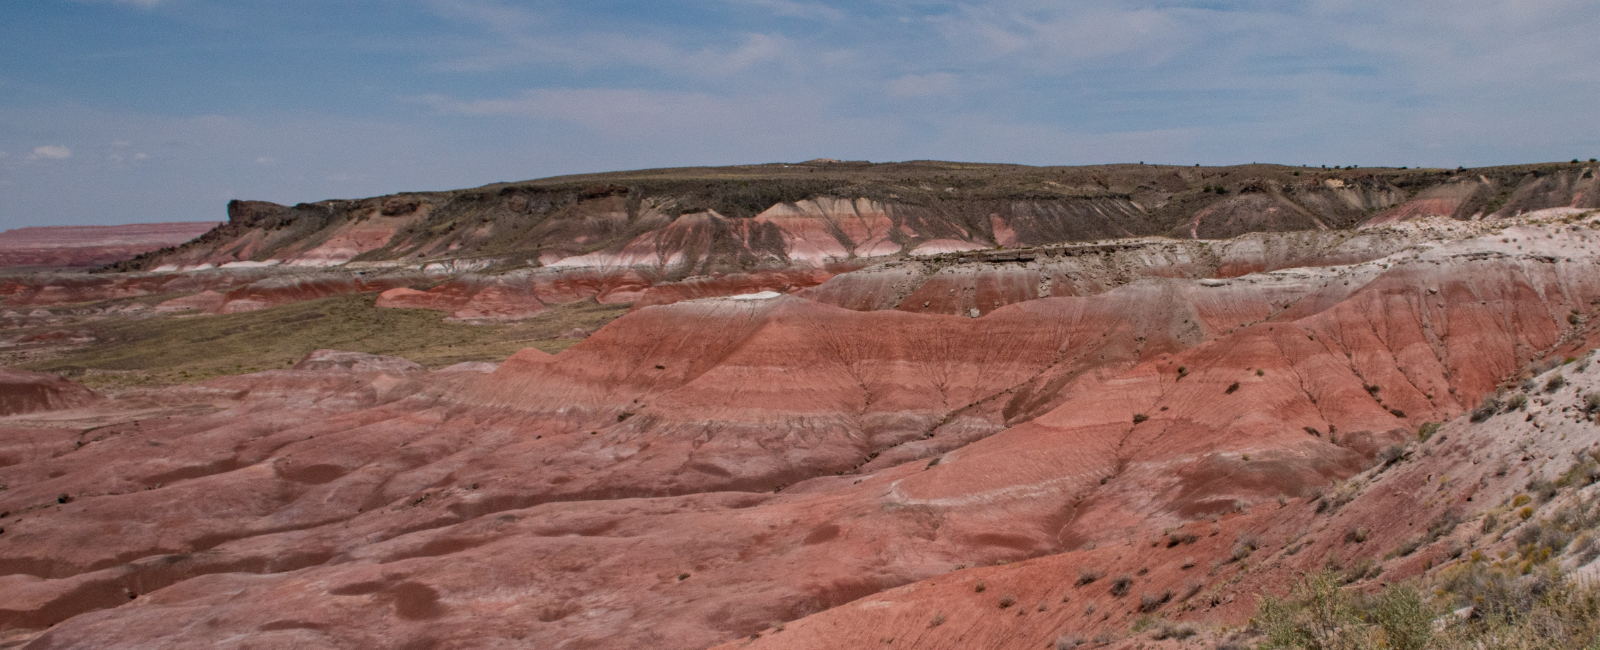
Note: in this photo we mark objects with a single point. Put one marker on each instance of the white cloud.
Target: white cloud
(266, 160)
(1063, 37)
(141, 156)
(50, 152)
(922, 85)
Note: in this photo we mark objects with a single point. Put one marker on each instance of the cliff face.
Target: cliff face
(695, 471)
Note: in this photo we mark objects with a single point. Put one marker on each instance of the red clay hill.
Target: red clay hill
(963, 449)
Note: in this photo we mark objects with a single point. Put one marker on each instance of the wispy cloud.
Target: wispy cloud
(142, 4)
(50, 152)
(922, 85)
(793, 9)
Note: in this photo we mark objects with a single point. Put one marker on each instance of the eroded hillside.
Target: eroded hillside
(850, 460)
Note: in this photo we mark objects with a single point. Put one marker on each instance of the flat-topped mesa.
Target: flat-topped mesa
(508, 251)
(695, 221)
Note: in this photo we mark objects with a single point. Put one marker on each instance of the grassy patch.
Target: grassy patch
(179, 349)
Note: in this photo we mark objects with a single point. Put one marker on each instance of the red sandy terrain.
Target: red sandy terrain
(83, 246)
(830, 460)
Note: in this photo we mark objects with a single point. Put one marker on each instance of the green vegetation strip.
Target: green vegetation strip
(186, 348)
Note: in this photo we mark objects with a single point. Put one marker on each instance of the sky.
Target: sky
(127, 111)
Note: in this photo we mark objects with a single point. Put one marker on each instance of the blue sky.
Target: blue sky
(120, 111)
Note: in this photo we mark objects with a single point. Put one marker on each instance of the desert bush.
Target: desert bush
(1069, 641)
(1427, 430)
(1443, 525)
(1149, 602)
(1556, 383)
(1231, 388)
(1007, 601)
(1585, 549)
(1169, 631)
(1516, 402)
(1582, 473)
(1408, 547)
(1406, 621)
(1356, 535)
(1244, 546)
(1318, 615)
(1491, 405)
(1139, 418)
(980, 586)
(1087, 575)
(1543, 490)
(1121, 585)
(1391, 455)
(1360, 570)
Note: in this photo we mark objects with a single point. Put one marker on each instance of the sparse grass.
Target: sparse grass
(178, 349)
